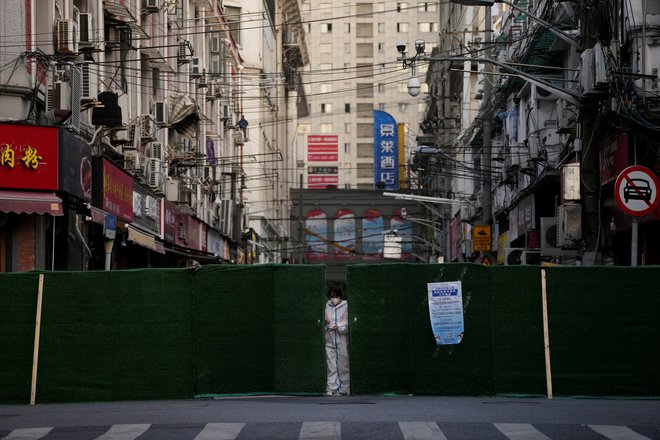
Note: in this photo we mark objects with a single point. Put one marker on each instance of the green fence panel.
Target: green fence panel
(299, 364)
(517, 317)
(18, 302)
(392, 347)
(233, 329)
(604, 330)
(108, 336)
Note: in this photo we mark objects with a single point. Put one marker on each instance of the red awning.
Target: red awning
(25, 202)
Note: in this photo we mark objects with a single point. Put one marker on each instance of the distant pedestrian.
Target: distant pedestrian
(336, 343)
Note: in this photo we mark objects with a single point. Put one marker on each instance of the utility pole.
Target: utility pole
(486, 202)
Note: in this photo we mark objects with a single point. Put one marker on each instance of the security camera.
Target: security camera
(401, 47)
(414, 87)
(420, 46)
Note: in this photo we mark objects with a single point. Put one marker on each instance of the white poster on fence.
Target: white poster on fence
(446, 312)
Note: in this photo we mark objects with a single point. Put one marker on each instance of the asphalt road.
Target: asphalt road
(355, 417)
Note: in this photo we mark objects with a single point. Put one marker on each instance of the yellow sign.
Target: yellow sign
(481, 239)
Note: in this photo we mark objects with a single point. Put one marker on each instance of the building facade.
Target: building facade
(126, 127)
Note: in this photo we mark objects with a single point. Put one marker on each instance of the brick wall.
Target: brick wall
(26, 243)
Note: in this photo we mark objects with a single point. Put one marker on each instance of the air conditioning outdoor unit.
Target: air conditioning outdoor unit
(226, 216)
(155, 150)
(147, 125)
(226, 114)
(202, 83)
(549, 235)
(569, 224)
(513, 256)
(172, 190)
(86, 30)
(539, 94)
(239, 137)
(59, 96)
(89, 83)
(184, 53)
(154, 172)
(67, 36)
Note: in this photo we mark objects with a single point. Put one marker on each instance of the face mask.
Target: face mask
(335, 301)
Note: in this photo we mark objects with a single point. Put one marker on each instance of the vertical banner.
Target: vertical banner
(386, 156)
(446, 312)
(316, 235)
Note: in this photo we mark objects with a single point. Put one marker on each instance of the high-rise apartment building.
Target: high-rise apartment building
(352, 72)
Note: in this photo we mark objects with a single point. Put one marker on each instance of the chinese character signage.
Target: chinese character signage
(446, 312)
(147, 210)
(28, 157)
(481, 239)
(112, 189)
(323, 148)
(386, 151)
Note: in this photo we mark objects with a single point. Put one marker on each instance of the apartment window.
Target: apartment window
(402, 87)
(381, 68)
(326, 128)
(381, 106)
(233, 18)
(347, 108)
(426, 7)
(381, 88)
(365, 150)
(308, 27)
(364, 50)
(380, 7)
(347, 28)
(403, 107)
(402, 6)
(365, 110)
(326, 88)
(428, 27)
(326, 28)
(347, 148)
(366, 130)
(381, 28)
(421, 107)
(402, 27)
(326, 108)
(381, 47)
(365, 30)
(347, 128)
(364, 90)
(304, 128)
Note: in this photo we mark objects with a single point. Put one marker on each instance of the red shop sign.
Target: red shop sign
(28, 157)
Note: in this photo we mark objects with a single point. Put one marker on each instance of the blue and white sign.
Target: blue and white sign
(446, 312)
(386, 151)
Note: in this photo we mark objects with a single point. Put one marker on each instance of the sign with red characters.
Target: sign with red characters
(28, 157)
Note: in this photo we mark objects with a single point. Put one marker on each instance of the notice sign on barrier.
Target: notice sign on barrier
(446, 312)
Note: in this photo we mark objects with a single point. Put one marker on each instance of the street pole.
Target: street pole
(486, 148)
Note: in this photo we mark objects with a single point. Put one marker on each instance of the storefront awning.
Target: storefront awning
(24, 202)
(143, 239)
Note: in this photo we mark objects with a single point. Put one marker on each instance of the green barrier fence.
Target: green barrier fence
(178, 333)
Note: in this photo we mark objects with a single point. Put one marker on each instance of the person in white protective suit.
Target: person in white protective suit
(336, 343)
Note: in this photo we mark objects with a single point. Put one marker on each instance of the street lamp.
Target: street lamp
(551, 27)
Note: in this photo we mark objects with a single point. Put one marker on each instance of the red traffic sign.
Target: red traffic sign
(636, 190)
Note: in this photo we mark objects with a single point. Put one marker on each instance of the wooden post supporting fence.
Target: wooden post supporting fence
(37, 332)
(546, 335)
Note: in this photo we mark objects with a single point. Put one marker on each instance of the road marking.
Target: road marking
(27, 434)
(124, 432)
(421, 431)
(520, 431)
(320, 431)
(220, 431)
(614, 432)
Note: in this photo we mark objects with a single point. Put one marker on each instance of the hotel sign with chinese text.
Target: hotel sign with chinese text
(28, 157)
(322, 148)
(386, 147)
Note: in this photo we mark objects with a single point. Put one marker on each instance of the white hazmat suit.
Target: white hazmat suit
(336, 346)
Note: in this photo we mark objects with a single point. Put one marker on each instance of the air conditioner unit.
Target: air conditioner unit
(202, 82)
(539, 94)
(513, 256)
(569, 225)
(195, 68)
(154, 173)
(89, 83)
(150, 5)
(160, 113)
(155, 151)
(184, 52)
(59, 96)
(86, 30)
(67, 36)
(172, 190)
(226, 113)
(549, 247)
(239, 137)
(131, 160)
